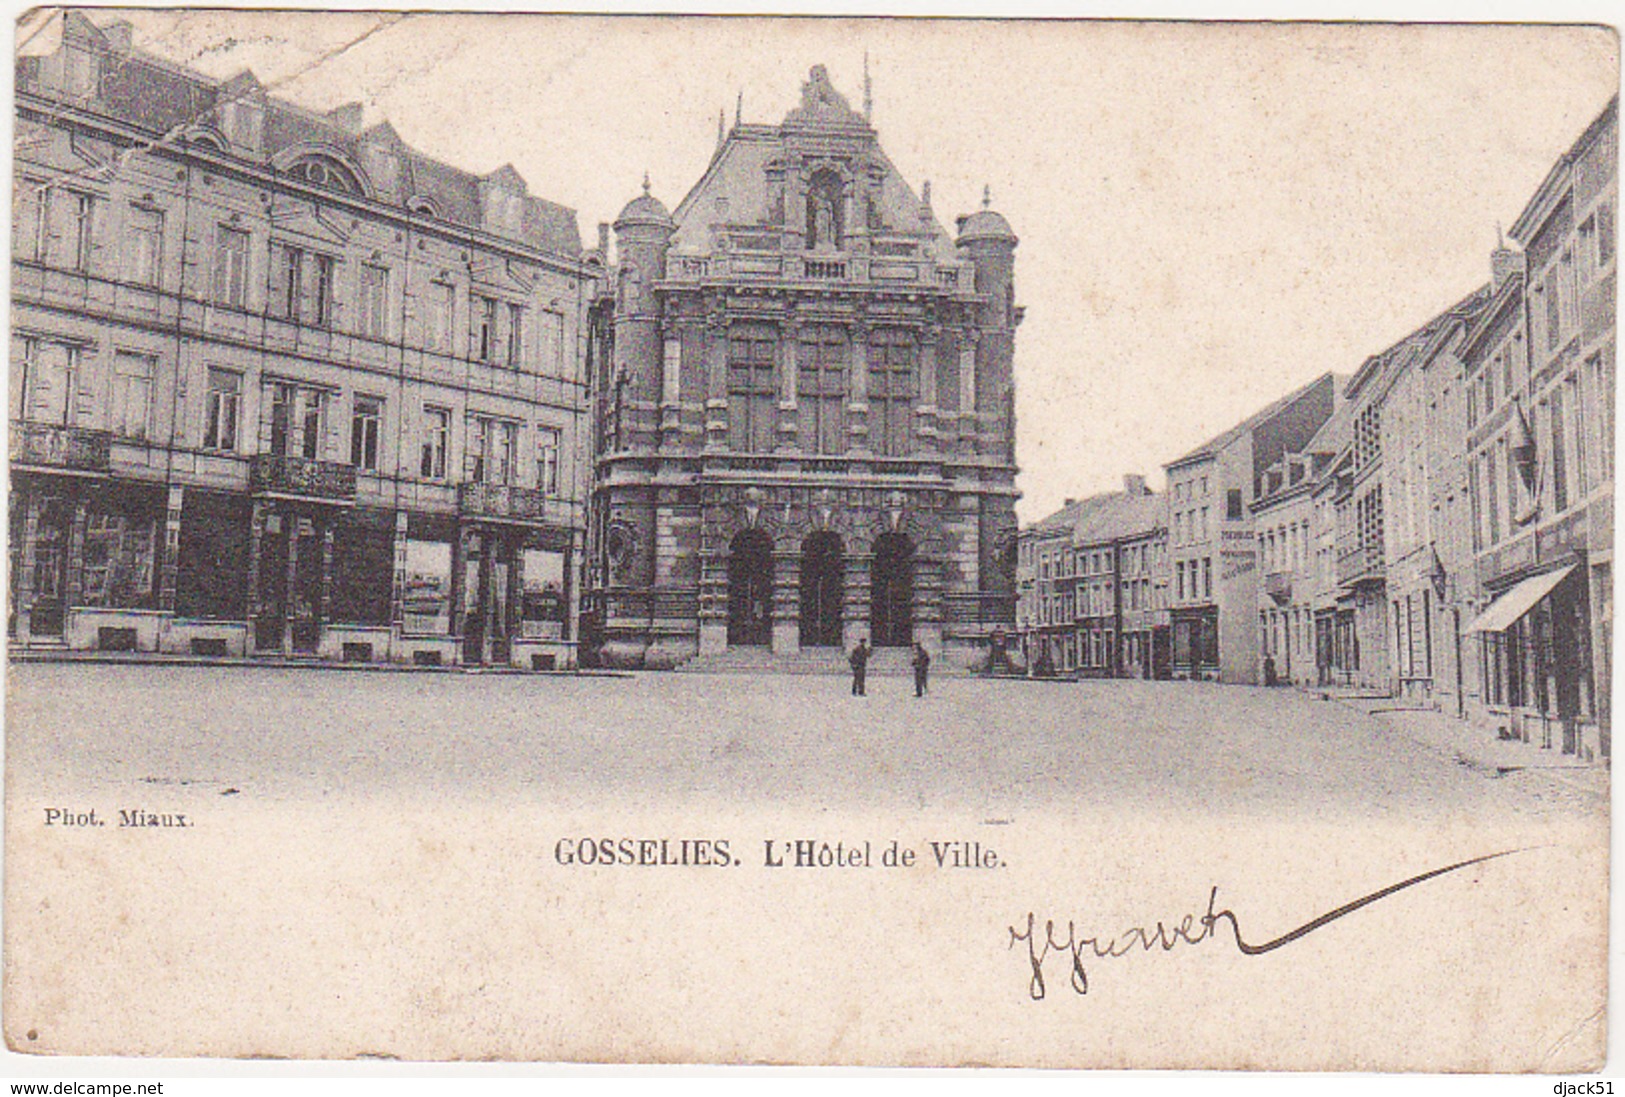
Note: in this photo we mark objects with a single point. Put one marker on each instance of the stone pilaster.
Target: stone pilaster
(256, 599)
(291, 531)
(857, 410)
(74, 580)
(325, 614)
(786, 602)
(397, 589)
(26, 577)
(788, 422)
(169, 568)
(855, 614)
(716, 387)
(925, 410)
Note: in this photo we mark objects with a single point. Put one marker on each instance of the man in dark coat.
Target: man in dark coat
(922, 668)
(860, 665)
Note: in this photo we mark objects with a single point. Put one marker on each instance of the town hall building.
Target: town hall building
(804, 409)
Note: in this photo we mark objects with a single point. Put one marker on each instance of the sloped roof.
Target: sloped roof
(1220, 441)
(1119, 515)
(1104, 517)
(165, 100)
(735, 189)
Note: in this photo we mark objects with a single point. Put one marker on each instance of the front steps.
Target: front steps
(883, 662)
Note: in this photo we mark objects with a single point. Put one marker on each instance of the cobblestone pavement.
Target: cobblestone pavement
(992, 747)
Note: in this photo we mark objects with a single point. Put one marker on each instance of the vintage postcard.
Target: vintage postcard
(875, 541)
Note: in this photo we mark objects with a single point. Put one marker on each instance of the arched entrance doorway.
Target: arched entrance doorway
(891, 592)
(750, 588)
(823, 590)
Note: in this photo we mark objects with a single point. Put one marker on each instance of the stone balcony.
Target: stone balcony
(1361, 565)
(301, 477)
(1278, 585)
(504, 501)
(57, 447)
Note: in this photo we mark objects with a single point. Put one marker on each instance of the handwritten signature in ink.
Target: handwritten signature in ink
(1191, 930)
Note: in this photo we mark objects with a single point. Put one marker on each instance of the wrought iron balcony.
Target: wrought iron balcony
(281, 474)
(60, 447)
(502, 501)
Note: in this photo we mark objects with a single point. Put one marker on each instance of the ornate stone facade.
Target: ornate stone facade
(805, 408)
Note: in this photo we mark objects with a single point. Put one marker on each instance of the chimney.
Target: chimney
(347, 118)
(118, 36)
(1504, 262)
(603, 241)
(1134, 484)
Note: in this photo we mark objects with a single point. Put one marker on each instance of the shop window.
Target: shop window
(363, 567)
(120, 554)
(426, 602)
(545, 612)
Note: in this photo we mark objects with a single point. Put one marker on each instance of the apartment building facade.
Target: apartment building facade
(1092, 583)
(1212, 546)
(282, 385)
(1539, 374)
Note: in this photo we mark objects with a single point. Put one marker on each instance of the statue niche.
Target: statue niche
(824, 200)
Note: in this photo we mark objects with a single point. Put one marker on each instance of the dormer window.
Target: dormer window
(325, 172)
(206, 140)
(423, 207)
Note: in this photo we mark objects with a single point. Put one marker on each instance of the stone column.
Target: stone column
(324, 613)
(397, 589)
(970, 424)
(786, 601)
(925, 406)
(857, 411)
(459, 569)
(788, 425)
(855, 612)
(74, 580)
(488, 593)
(928, 583)
(256, 538)
(515, 608)
(291, 530)
(32, 504)
(716, 387)
(671, 373)
(169, 568)
(572, 584)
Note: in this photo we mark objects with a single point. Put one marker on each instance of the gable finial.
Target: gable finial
(645, 181)
(739, 108)
(868, 96)
(987, 196)
(721, 121)
(1500, 241)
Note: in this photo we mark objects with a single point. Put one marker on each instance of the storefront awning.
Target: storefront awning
(1506, 610)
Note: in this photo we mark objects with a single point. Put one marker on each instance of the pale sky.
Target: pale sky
(1210, 215)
